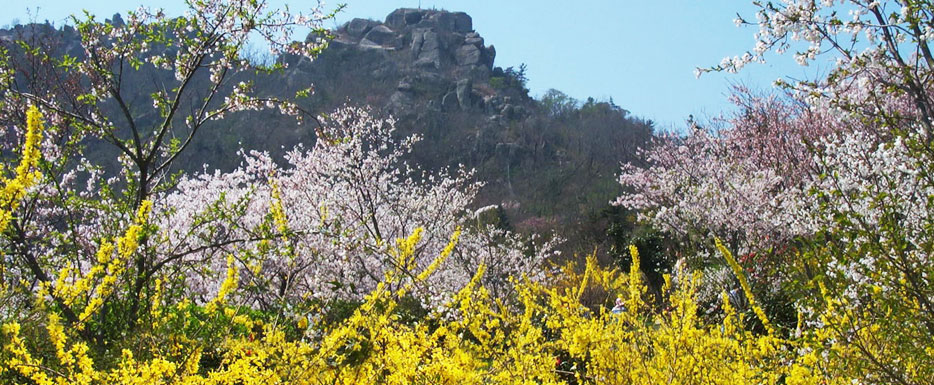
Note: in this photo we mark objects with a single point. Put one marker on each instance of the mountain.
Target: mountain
(548, 163)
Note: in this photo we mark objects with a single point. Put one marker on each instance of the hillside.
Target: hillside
(548, 163)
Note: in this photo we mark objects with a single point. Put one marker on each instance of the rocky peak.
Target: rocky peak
(433, 40)
(434, 56)
(459, 22)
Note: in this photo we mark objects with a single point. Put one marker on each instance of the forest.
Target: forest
(380, 203)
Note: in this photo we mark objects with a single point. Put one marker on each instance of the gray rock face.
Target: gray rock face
(462, 22)
(430, 55)
(426, 49)
(436, 40)
(464, 93)
(357, 27)
(380, 35)
(405, 16)
(431, 80)
(429, 59)
(476, 41)
(458, 22)
(449, 102)
(396, 19)
(467, 54)
(418, 40)
(474, 56)
(338, 44)
(367, 43)
(442, 21)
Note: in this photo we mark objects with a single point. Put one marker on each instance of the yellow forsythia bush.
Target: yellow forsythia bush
(544, 337)
(26, 173)
(541, 335)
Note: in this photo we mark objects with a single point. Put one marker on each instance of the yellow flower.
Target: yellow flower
(26, 173)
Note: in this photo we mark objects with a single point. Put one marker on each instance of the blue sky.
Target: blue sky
(642, 54)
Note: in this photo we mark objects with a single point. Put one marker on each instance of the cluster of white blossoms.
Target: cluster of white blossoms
(346, 201)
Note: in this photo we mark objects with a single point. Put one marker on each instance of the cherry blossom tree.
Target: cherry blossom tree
(343, 203)
(746, 182)
(855, 201)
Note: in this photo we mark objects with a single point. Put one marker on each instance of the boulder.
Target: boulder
(462, 22)
(467, 54)
(429, 60)
(405, 16)
(380, 35)
(358, 27)
(428, 51)
(396, 19)
(477, 41)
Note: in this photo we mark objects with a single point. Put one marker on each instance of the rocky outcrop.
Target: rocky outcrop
(435, 40)
(379, 36)
(419, 42)
(357, 28)
(459, 22)
(426, 49)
